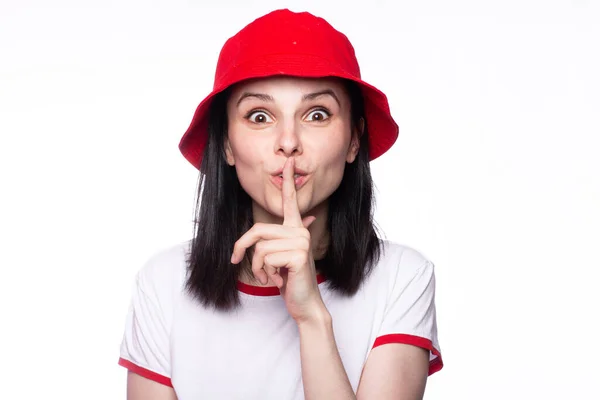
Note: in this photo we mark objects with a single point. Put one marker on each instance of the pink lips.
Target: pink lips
(298, 181)
(301, 178)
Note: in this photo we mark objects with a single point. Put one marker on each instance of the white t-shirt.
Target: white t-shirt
(253, 352)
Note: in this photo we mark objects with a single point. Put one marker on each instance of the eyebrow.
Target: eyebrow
(260, 96)
(326, 92)
(306, 97)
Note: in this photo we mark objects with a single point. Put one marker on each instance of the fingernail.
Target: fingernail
(233, 261)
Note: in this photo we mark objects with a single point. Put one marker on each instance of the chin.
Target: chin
(272, 208)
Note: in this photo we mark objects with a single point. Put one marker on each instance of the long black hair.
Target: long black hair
(224, 213)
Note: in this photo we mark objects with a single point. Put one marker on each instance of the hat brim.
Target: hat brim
(382, 129)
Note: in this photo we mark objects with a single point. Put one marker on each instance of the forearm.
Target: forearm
(323, 373)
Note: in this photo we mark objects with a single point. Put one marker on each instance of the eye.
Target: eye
(318, 115)
(259, 117)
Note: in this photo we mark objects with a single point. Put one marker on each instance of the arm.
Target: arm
(399, 364)
(145, 348)
(140, 388)
(283, 254)
(406, 351)
(323, 373)
(394, 371)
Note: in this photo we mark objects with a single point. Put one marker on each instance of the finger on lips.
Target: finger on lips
(278, 246)
(291, 213)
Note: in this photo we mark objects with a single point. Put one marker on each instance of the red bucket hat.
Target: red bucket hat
(294, 44)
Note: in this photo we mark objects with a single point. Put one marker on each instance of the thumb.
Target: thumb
(307, 221)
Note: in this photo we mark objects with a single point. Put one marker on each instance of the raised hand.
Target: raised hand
(283, 254)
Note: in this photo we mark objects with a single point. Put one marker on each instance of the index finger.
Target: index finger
(291, 213)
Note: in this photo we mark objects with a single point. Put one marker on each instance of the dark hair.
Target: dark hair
(224, 213)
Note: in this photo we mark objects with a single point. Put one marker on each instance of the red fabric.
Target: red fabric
(266, 290)
(293, 44)
(145, 372)
(434, 365)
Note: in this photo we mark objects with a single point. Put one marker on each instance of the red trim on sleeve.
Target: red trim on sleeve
(434, 365)
(146, 373)
(266, 290)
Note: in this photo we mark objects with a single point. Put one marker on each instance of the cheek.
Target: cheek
(332, 162)
(332, 172)
(332, 154)
(247, 167)
(249, 164)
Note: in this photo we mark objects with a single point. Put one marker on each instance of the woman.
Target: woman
(285, 291)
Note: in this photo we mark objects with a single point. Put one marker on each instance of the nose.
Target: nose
(288, 142)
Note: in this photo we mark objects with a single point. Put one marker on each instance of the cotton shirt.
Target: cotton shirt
(254, 351)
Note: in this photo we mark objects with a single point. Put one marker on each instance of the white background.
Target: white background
(495, 177)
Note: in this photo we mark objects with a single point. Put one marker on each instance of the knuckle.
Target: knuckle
(304, 243)
(256, 267)
(301, 257)
(307, 241)
(267, 260)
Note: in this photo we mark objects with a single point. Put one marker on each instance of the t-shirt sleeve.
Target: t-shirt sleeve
(145, 345)
(410, 314)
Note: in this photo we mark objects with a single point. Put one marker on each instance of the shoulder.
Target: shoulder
(402, 261)
(165, 270)
(397, 255)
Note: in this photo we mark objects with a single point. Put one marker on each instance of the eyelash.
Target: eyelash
(321, 109)
(317, 109)
(249, 113)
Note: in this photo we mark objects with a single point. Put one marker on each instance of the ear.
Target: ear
(355, 143)
(228, 153)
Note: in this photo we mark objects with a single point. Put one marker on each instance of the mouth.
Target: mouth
(297, 171)
(300, 178)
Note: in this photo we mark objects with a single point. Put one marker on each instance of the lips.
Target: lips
(298, 181)
(297, 172)
(300, 177)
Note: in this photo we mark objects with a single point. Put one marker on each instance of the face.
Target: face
(272, 119)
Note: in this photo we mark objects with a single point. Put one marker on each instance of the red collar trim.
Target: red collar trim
(267, 290)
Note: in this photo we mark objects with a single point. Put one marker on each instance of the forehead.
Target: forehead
(288, 85)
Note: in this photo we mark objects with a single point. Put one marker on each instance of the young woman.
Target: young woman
(285, 290)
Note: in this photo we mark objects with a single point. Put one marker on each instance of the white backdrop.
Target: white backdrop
(495, 177)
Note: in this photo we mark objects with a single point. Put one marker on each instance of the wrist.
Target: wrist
(318, 318)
